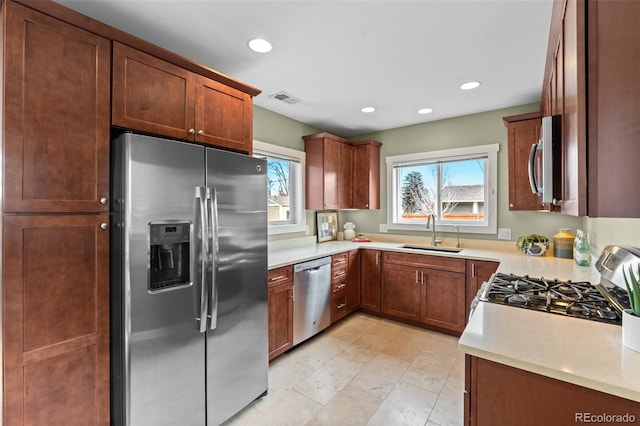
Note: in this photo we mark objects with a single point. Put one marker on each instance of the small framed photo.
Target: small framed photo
(327, 225)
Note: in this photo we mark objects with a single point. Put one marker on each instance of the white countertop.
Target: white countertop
(582, 352)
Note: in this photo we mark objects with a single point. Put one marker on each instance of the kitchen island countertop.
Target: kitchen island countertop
(582, 352)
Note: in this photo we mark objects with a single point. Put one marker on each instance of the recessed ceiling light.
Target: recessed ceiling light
(368, 109)
(260, 45)
(425, 111)
(470, 85)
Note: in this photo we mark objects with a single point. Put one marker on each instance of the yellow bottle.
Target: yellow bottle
(563, 244)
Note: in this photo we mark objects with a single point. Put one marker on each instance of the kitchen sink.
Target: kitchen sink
(432, 248)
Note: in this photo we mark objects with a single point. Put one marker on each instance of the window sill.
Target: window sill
(287, 229)
(466, 229)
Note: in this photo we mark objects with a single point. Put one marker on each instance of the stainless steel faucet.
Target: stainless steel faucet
(457, 228)
(431, 218)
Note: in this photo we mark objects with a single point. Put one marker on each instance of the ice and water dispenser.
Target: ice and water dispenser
(169, 255)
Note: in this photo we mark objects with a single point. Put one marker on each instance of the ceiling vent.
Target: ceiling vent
(285, 97)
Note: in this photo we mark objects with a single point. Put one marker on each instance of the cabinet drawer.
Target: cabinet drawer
(441, 263)
(338, 275)
(280, 275)
(338, 286)
(339, 260)
(338, 305)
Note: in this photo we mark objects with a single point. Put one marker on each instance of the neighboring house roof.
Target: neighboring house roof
(278, 200)
(463, 193)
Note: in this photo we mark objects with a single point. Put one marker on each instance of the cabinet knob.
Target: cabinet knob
(510, 204)
(104, 226)
(104, 200)
(192, 131)
(201, 132)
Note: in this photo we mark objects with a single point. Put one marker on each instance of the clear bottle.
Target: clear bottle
(581, 253)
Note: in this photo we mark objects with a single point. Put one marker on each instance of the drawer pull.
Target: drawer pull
(340, 286)
(279, 277)
(342, 305)
(340, 273)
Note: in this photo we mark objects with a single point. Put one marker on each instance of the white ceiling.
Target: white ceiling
(338, 56)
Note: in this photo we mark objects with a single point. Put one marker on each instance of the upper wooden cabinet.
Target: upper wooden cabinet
(56, 115)
(522, 132)
(366, 175)
(591, 79)
(341, 174)
(154, 96)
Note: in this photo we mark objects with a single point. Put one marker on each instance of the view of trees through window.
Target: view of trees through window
(278, 189)
(451, 190)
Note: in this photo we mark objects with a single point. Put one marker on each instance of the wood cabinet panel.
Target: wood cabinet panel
(443, 300)
(152, 95)
(353, 281)
(56, 115)
(56, 319)
(424, 261)
(280, 275)
(366, 174)
(341, 174)
(478, 271)
(155, 96)
(493, 386)
(401, 291)
(338, 306)
(522, 133)
(370, 277)
(223, 116)
(280, 306)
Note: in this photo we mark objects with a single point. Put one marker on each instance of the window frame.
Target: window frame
(491, 187)
(298, 222)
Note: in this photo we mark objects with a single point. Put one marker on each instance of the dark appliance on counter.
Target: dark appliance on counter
(602, 302)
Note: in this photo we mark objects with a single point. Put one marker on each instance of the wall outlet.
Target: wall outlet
(504, 233)
(382, 227)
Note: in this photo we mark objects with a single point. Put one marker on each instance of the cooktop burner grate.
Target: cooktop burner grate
(575, 299)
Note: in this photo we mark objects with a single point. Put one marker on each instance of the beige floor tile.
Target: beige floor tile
(350, 406)
(323, 384)
(406, 344)
(380, 376)
(405, 405)
(291, 408)
(448, 410)
(352, 328)
(442, 344)
(318, 351)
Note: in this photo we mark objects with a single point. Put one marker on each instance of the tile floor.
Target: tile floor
(364, 371)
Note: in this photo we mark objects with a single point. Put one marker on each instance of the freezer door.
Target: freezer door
(237, 341)
(159, 353)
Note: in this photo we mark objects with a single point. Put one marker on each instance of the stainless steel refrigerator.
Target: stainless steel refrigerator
(189, 282)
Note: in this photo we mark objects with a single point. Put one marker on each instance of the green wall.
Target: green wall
(476, 129)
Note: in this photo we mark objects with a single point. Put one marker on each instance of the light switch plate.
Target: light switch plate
(382, 227)
(504, 233)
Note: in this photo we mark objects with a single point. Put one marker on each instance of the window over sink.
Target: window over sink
(458, 186)
(285, 180)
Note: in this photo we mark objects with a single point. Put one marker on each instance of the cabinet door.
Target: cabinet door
(223, 116)
(346, 176)
(478, 271)
(366, 175)
(56, 320)
(280, 300)
(370, 279)
(152, 95)
(331, 163)
(56, 115)
(443, 299)
(353, 281)
(401, 287)
(521, 136)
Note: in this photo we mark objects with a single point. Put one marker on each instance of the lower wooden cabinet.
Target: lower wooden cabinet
(500, 395)
(370, 274)
(424, 295)
(353, 282)
(478, 271)
(56, 319)
(280, 306)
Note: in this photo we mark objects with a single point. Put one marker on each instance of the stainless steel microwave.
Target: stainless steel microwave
(545, 161)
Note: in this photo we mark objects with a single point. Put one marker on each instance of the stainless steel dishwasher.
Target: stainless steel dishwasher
(311, 298)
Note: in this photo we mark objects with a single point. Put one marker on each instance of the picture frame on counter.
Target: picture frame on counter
(327, 225)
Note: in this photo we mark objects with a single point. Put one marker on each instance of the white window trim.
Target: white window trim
(297, 211)
(490, 150)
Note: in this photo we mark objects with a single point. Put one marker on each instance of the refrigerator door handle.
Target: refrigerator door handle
(203, 213)
(213, 217)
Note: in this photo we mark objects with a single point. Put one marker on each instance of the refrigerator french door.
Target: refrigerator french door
(189, 274)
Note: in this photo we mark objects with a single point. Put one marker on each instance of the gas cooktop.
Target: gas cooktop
(574, 299)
